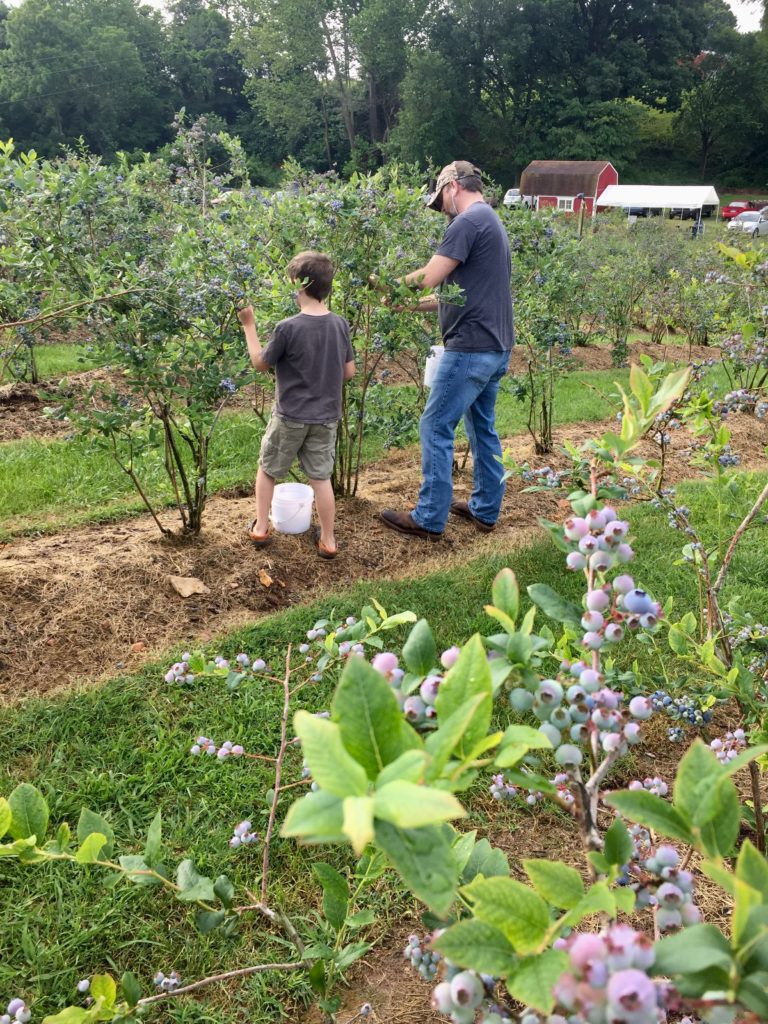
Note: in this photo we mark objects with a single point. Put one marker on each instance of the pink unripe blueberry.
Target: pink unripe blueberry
(385, 662)
(601, 561)
(616, 530)
(612, 742)
(596, 519)
(624, 554)
(587, 949)
(640, 708)
(623, 584)
(414, 709)
(592, 620)
(588, 544)
(448, 658)
(690, 914)
(590, 679)
(428, 689)
(609, 514)
(631, 991)
(592, 641)
(613, 633)
(648, 621)
(632, 732)
(467, 990)
(575, 528)
(442, 1000)
(15, 1005)
(576, 561)
(598, 600)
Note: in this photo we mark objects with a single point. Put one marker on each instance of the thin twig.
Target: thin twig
(243, 972)
(745, 524)
(278, 773)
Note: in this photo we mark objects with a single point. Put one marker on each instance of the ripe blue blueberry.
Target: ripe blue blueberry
(638, 602)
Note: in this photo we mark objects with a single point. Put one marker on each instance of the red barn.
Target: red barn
(558, 183)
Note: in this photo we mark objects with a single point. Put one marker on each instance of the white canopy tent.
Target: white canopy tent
(660, 197)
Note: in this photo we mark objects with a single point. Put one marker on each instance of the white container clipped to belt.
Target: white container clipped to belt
(436, 353)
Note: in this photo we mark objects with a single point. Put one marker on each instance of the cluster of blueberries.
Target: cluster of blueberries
(501, 789)
(204, 745)
(655, 785)
(663, 884)
(680, 709)
(418, 708)
(729, 748)
(167, 984)
(17, 1012)
(742, 400)
(597, 541)
(547, 477)
(243, 835)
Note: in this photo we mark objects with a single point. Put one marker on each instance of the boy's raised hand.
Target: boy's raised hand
(246, 317)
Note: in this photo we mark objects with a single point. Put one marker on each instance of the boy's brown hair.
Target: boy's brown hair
(314, 268)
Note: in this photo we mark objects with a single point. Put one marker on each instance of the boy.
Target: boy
(312, 357)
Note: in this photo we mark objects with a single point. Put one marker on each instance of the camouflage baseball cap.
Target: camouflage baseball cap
(451, 172)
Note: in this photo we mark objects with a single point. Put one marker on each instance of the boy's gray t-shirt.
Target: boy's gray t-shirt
(308, 354)
(477, 239)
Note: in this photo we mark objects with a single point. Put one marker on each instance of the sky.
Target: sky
(746, 11)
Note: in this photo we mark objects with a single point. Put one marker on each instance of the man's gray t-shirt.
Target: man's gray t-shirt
(477, 239)
(308, 354)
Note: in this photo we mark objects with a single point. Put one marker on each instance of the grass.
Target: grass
(48, 485)
(58, 360)
(120, 749)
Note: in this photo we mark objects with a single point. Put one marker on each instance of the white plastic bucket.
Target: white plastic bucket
(436, 353)
(292, 508)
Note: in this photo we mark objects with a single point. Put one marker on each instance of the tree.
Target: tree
(90, 69)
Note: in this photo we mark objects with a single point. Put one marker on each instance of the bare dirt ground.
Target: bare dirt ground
(97, 600)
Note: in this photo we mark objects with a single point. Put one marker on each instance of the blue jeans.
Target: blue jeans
(466, 384)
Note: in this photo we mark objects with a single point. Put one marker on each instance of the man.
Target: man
(478, 338)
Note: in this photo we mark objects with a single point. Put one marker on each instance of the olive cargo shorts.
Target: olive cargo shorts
(314, 443)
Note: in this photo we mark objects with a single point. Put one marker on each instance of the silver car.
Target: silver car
(751, 222)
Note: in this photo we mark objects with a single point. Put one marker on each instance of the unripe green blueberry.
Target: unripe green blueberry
(520, 699)
(568, 755)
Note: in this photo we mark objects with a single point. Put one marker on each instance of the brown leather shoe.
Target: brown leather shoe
(461, 508)
(402, 522)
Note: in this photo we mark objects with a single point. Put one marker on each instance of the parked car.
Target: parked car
(739, 206)
(690, 212)
(641, 211)
(751, 222)
(514, 197)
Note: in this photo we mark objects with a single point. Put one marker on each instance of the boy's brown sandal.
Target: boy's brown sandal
(322, 550)
(259, 540)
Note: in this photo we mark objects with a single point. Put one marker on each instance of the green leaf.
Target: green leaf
(624, 898)
(752, 868)
(419, 650)
(335, 894)
(193, 885)
(131, 988)
(5, 816)
(398, 619)
(29, 813)
(651, 811)
(505, 593)
(410, 806)
(332, 766)
(717, 818)
(514, 908)
(358, 821)
(697, 772)
(154, 840)
(361, 919)
(133, 865)
(557, 883)
(316, 977)
(224, 890)
(91, 847)
(372, 726)
(534, 979)
(410, 766)
(478, 946)
(71, 1015)
(743, 759)
(753, 993)
(350, 954)
(485, 860)
(640, 386)
(207, 921)
(598, 899)
(694, 949)
(316, 818)
(442, 743)
(516, 742)
(618, 848)
(103, 987)
(424, 860)
(678, 641)
(555, 606)
(468, 677)
(90, 822)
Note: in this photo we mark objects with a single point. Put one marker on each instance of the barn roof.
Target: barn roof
(561, 177)
(660, 197)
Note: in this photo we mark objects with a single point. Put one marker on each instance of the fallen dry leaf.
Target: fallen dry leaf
(264, 578)
(186, 586)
